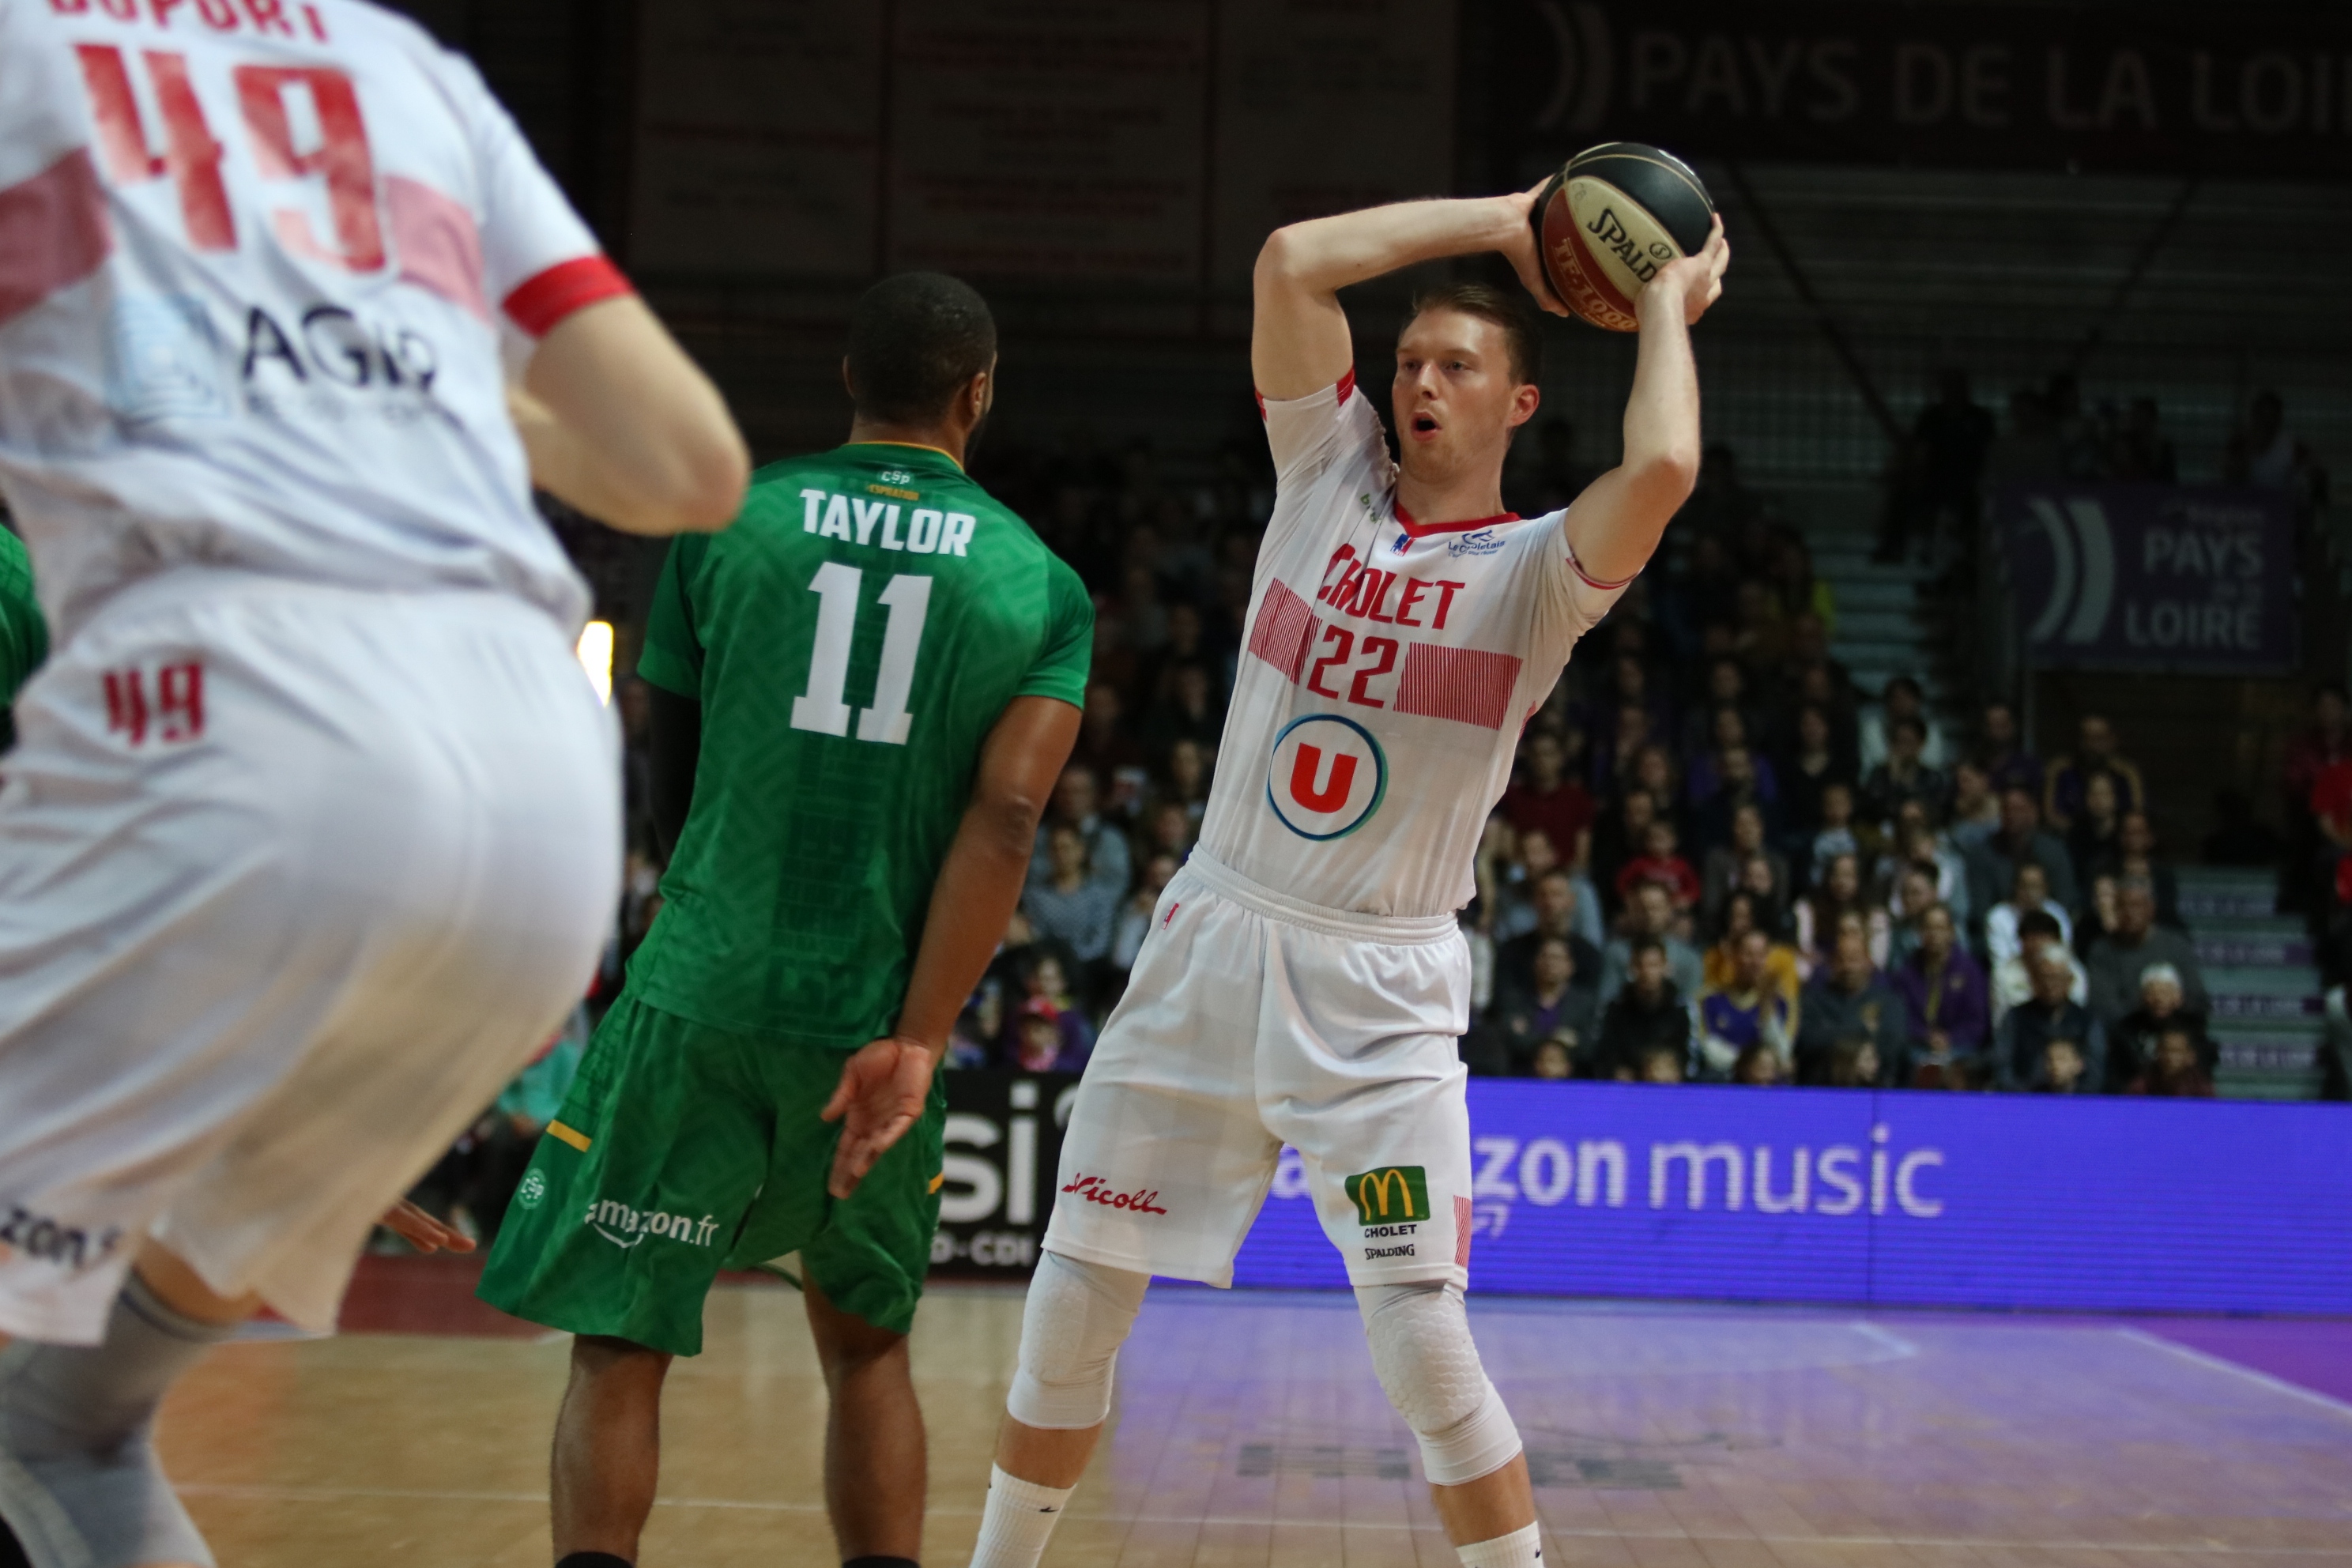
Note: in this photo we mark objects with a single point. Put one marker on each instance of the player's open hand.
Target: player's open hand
(1522, 254)
(883, 1088)
(1696, 281)
(423, 1232)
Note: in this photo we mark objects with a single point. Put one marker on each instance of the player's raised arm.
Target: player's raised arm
(883, 1084)
(1616, 523)
(1298, 336)
(620, 423)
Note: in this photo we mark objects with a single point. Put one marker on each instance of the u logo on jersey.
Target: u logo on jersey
(1328, 776)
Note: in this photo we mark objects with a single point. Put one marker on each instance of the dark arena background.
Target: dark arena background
(2024, 406)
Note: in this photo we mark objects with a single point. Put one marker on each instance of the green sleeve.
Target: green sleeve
(1067, 656)
(672, 656)
(24, 635)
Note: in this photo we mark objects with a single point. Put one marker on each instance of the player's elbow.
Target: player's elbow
(1665, 478)
(1282, 260)
(696, 486)
(1006, 816)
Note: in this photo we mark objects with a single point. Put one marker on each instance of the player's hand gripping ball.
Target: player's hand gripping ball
(1611, 221)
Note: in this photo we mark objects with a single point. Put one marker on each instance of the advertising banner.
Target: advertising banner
(2191, 579)
(2169, 87)
(2112, 1204)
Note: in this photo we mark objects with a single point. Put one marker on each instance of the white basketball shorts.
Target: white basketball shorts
(292, 879)
(1252, 1021)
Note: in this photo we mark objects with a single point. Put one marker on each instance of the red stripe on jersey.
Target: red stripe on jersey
(53, 232)
(1346, 385)
(1284, 629)
(1592, 581)
(563, 289)
(1458, 683)
(439, 249)
(1424, 530)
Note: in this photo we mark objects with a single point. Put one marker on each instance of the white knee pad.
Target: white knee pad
(1078, 1316)
(1428, 1365)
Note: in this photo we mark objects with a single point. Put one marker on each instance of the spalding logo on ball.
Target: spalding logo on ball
(1607, 222)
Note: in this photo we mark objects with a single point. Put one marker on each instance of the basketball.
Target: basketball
(1610, 219)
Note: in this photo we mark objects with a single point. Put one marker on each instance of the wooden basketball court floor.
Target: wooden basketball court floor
(1249, 1431)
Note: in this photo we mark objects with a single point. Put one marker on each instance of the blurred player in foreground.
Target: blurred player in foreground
(1305, 981)
(867, 689)
(310, 835)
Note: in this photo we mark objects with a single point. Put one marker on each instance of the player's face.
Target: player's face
(1455, 400)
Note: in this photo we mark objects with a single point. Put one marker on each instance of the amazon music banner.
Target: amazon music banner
(1720, 1194)
(2189, 579)
(2258, 88)
(2112, 1204)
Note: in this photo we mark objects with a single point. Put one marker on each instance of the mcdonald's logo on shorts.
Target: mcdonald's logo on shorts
(1393, 1194)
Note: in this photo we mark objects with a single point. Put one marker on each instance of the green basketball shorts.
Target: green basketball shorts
(683, 1149)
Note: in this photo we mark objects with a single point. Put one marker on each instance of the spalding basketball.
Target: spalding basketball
(1607, 221)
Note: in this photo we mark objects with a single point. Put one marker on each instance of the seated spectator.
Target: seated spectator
(1078, 804)
(1917, 843)
(1975, 809)
(1742, 782)
(1659, 1065)
(1039, 976)
(1134, 922)
(1904, 699)
(1554, 1059)
(1648, 1016)
(2001, 757)
(1107, 747)
(1903, 777)
(1618, 838)
(1727, 686)
(2135, 857)
(2131, 1043)
(1839, 898)
(1947, 1002)
(1545, 798)
(1762, 883)
(1848, 1000)
(1516, 875)
(2028, 894)
(2069, 778)
(1656, 774)
(1808, 767)
(2022, 1041)
(1837, 835)
(1189, 709)
(1741, 915)
(2012, 980)
(1186, 780)
(1759, 1067)
(2064, 1069)
(2118, 960)
(1915, 895)
(1661, 862)
(1649, 916)
(1550, 1003)
(1166, 828)
(1071, 903)
(2172, 1071)
(2094, 844)
(1750, 1007)
(1993, 863)
(1043, 1042)
(1854, 1063)
(1556, 905)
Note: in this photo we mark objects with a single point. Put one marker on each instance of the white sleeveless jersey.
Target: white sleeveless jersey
(262, 262)
(1388, 669)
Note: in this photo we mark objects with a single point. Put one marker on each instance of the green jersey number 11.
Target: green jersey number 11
(822, 708)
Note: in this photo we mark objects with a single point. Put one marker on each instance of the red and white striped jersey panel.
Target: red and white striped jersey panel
(1388, 670)
(264, 266)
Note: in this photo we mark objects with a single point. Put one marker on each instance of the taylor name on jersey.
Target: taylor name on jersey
(1389, 668)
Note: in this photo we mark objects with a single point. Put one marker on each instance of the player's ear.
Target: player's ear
(1524, 400)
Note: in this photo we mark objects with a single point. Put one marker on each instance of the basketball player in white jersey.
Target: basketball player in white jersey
(311, 833)
(1305, 981)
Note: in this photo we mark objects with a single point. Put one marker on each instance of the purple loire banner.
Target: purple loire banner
(2192, 579)
(1835, 1196)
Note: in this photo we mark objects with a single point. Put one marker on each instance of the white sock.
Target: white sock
(1018, 1520)
(1520, 1548)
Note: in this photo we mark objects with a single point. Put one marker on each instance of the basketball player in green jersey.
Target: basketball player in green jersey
(24, 635)
(874, 676)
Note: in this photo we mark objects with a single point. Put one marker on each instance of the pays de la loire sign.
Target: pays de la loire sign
(2260, 89)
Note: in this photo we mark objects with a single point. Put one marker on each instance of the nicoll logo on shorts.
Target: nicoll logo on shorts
(624, 1227)
(1092, 1189)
